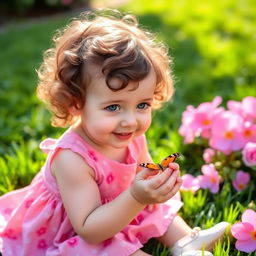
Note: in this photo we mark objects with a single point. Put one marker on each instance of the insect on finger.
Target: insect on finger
(163, 165)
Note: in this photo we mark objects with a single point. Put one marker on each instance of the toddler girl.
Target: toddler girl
(102, 79)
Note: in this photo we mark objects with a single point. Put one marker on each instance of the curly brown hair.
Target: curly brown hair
(115, 43)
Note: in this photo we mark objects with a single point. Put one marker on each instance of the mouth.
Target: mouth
(123, 135)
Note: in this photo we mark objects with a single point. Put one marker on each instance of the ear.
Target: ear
(74, 110)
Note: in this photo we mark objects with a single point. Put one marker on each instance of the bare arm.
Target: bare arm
(90, 219)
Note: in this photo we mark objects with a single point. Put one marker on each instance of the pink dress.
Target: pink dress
(33, 221)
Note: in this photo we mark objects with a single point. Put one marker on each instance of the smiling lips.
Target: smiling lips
(123, 135)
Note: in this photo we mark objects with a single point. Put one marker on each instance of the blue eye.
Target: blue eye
(112, 108)
(143, 105)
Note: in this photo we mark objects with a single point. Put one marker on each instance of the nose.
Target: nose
(129, 119)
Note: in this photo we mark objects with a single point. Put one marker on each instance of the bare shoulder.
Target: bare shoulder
(78, 189)
(70, 165)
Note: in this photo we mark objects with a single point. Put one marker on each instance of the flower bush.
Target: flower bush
(227, 137)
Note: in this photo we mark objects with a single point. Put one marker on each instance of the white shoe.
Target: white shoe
(196, 253)
(202, 239)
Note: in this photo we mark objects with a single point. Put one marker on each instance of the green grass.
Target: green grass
(213, 46)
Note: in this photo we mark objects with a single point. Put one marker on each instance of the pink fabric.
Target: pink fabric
(33, 221)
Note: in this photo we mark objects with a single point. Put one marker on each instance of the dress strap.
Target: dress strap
(48, 145)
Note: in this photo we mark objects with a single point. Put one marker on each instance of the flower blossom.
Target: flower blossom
(249, 132)
(235, 107)
(227, 132)
(249, 154)
(184, 130)
(189, 183)
(210, 178)
(241, 180)
(245, 232)
(245, 108)
(198, 121)
(249, 106)
(208, 155)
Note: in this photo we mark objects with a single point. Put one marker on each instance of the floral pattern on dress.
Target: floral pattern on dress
(28, 203)
(41, 231)
(73, 241)
(42, 245)
(92, 155)
(10, 233)
(110, 178)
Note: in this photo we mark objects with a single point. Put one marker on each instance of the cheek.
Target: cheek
(101, 125)
(108, 125)
(145, 123)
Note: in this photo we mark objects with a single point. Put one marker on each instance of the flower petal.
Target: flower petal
(250, 217)
(246, 246)
(242, 231)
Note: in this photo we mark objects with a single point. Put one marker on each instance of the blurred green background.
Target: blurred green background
(212, 44)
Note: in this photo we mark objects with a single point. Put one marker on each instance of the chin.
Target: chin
(123, 144)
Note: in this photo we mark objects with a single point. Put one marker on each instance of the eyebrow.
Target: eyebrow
(121, 101)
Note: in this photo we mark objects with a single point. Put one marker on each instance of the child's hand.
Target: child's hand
(159, 188)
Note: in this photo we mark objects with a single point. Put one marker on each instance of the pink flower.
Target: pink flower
(249, 106)
(245, 108)
(235, 107)
(249, 154)
(249, 132)
(196, 122)
(208, 155)
(210, 178)
(184, 130)
(241, 180)
(189, 183)
(204, 115)
(245, 232)
(227, 132)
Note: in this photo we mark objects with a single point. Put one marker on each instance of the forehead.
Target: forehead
(98, 87)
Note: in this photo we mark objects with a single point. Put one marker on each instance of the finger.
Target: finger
(158, 180)
(145, 173)
(173, 192)
(179, 179)
(174, 166)
(169, 184)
